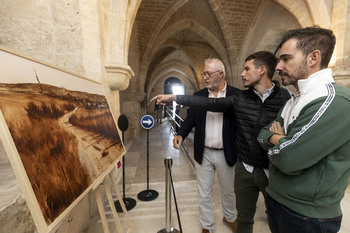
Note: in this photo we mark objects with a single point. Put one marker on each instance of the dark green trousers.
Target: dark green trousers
(247, 188)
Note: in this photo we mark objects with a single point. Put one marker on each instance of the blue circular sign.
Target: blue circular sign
(147, 121)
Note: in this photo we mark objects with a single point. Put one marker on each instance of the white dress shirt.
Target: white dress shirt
(213, 125)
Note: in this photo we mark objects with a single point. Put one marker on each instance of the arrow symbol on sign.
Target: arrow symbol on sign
(148, 122)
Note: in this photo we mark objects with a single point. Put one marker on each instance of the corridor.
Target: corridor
(149, 216)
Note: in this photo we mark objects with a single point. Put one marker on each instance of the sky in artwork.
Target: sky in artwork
(17, 69)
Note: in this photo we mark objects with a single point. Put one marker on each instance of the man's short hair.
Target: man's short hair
(264, 58)
(313, 38)
(219, 65)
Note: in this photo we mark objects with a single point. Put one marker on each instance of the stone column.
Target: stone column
(341, 28)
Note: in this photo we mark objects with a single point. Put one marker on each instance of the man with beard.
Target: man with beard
(213, 147)
(253, 109)
(309, 142)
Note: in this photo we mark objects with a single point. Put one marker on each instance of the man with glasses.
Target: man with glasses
(253, 109)
(213, 147)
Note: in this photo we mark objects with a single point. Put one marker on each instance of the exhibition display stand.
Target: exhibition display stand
(98, 195)
(128, 202)
(147, 122)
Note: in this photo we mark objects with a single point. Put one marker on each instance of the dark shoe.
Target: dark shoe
(205, 231)
(231, 225)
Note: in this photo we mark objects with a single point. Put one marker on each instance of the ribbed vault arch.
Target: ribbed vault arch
(173, 29)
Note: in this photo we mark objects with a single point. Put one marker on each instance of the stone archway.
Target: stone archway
(176, 27)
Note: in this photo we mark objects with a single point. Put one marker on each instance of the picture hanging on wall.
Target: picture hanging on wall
(58, 133)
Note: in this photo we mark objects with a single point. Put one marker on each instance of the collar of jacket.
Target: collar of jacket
(276, 87)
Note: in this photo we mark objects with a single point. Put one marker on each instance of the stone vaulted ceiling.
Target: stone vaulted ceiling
(197, 28)
(236, 14)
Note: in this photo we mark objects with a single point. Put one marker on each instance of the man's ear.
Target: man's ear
(314, 59)
(263, 70)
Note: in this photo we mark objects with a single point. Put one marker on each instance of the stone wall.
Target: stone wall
(65, 34)
(60, 33)
(14, 213)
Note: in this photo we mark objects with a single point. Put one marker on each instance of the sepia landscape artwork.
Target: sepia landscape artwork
(59, 135)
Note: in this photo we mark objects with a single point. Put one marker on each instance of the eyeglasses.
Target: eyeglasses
(208, 74)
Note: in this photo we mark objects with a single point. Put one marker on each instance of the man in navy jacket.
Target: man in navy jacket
(214, 141)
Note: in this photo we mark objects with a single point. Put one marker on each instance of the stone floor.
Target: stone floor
(149, 216)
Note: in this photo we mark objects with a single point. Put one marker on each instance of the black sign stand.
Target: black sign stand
(148, 194)
(128, 202)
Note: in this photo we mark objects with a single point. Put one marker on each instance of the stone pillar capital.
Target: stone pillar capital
(118, 76)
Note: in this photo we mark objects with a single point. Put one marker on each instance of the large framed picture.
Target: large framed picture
(59, 135)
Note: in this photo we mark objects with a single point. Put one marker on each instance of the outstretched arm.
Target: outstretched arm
(162, 99)
(209, 104)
